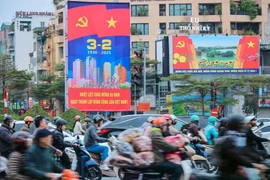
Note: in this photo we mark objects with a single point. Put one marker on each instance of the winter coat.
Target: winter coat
(160, 146)
(5, 139)
(254, 141)
(91, 136)
(39, 162)
(58, 140)
(211, 133)
(15, 167)
(78, 130)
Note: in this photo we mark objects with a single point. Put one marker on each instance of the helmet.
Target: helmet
(28, 119)
(20, 136)
(173, 117)
(97, 118)
(167, 116)
(8, 118)
(194, 118)
(60, 122)
(77, 118)
(224, 121)
(249, 118)
(236, 122)
(87, 120)
(159, 122)
(150, 119)
(212, 120)
(48, 120)
(55, 119)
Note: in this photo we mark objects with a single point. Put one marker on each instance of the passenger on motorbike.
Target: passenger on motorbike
(195, 140)
(167, 132)
(160, 146)
(210, 130)
(172, 122)
(147, 126)
(194, 120)
(28, 120)
(21, 141)
(222, 129)
(38, 162)
(59, 143)
(231, 153)
(77, 126)
(91, 140)
(6, 132)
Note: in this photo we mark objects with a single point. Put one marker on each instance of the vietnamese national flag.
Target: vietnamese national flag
(102, 20)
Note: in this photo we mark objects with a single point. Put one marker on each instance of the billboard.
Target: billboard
(215, 54)
(264, 94)
(98, 56)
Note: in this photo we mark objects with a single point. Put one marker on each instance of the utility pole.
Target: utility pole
(135, 100)
(144, 75)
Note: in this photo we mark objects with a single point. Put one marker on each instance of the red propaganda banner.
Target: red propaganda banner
(215, 54)
(98, 99)
(98, 56)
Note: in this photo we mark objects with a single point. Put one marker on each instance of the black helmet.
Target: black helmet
(224, 121)
(87, 120)
(55, 119)
(236, 122)
(8, 118)
(60, 122)
(97, 118)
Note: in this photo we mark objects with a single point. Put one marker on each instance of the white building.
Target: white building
(22, 39)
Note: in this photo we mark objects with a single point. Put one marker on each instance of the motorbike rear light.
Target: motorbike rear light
(103, 131)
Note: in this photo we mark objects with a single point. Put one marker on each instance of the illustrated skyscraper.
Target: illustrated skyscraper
(78, 71)
(107, 71)
(91, 69)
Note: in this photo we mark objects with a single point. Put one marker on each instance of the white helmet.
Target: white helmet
(249, 118)
(150, 119)
(173, 117)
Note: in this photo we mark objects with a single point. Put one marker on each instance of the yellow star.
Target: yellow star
(111, 23)
(251, 44)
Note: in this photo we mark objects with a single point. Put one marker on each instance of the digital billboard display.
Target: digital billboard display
(215, 54)
(98, 56)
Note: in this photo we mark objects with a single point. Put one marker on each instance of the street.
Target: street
(110, 178)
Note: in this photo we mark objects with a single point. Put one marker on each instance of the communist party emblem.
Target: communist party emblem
(82, 22)
(180, 44)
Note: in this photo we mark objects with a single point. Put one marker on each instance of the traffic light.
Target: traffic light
(139, 54)
(137, 76)
(135, 95)
(214, 92)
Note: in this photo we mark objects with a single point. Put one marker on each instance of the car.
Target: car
(113, 128)
(263, 131)
(262, 121)
(202, 123)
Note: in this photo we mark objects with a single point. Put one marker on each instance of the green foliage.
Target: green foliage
(250, 7)
(220, 30)
(218, 8)
(55, 2)
(34, 111)
(69, 116)
(249, 33)
(232, 7)
(134, 31)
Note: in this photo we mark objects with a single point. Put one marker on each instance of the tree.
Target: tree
(200, 88)
(250, 7)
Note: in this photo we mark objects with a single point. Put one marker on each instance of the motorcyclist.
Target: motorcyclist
(77, 126)
(222, 129)
(160, 146)
(28, 120)
(167, 132)
(21, 142)
(91, 140)
(146, 126)
(172, 122)
(210, 130)
(86, 124)
(231, 153)
(194, 120)
(254, 141)
(6, 132)
(59, 143)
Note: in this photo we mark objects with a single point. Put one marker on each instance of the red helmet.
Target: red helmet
(28, 119)
(167, 116)
(160, 122)
(77, 118)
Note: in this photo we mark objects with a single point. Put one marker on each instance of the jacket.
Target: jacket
(210, 133)
(160, 146)
(91, 136)
(58, 140)
(5, 138)
(78, 130)
(39, 162)
(85, 126)
(173, 130)
(15, 167)
(25, 129)
(222, 131)
(253, 141)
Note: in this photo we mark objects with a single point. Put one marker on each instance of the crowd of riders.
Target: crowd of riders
(37, 156)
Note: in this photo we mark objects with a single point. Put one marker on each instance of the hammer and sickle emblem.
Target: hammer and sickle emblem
(82, 22)
(180, 44)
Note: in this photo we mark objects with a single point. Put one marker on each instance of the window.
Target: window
(162, 27)
(207, 9)
(238, 25)
(139, 29)
(175, 25)
(25, 25)
(139, 10)
(162, 10)
(42, 24)
(266, 129)
(139, 45)
(180, 10)
(61, 52)
(60, 17)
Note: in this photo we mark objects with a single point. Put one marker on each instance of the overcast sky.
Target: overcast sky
(9, 7)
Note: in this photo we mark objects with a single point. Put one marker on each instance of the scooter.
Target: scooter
(83, 163)
(3, 166)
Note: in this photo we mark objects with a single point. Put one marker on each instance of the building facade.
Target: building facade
(4, 30)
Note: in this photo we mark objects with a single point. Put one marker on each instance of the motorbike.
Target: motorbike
(3, 166)
(83, 163)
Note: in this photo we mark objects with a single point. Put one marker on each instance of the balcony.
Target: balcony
(11, 33)
(265, 70)
(11, 48)
(41, 38)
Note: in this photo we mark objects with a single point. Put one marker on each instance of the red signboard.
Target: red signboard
(214, 112)
(144, 107)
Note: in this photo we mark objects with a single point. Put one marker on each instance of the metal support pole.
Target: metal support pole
(135, 100)
(144, 75)
(159, 98)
